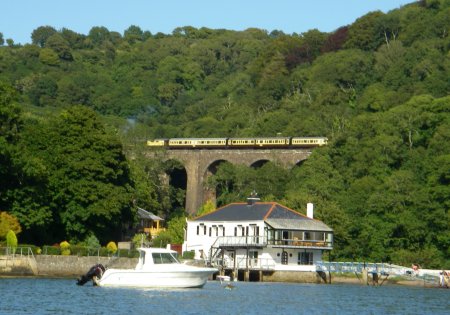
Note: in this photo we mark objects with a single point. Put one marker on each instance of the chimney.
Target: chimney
(310, 210)
(252, 199)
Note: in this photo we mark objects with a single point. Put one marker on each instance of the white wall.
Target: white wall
(203, 241)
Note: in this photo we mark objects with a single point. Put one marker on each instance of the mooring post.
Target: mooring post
(329, 268)
(365, 275)
(375, 278)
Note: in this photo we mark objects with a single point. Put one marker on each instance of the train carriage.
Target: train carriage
(241, 142)
(157, 143)
(308, 141)
(272, 142)
(197, 142)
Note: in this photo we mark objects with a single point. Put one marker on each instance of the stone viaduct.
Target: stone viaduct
(201, 163)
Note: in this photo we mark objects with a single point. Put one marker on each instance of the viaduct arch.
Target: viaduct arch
(197, 162)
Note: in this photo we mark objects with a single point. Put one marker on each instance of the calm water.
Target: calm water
(56, 296)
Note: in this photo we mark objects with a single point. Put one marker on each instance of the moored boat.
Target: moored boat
(156, 268)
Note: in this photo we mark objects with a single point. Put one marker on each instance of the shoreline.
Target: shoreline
(73, 267)
(401, 282)
(336, 280)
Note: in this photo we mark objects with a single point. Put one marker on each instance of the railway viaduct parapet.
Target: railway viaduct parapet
(199, 164)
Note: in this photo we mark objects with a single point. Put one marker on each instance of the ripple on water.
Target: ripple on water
(62, 296)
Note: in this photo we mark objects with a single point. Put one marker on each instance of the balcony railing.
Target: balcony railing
(154, 231)
(241, 241)
(300, 243)
(262, 241)
(252, 263)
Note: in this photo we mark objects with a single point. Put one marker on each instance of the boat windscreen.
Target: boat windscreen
(164, 258)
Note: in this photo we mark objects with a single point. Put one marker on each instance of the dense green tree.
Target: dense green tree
(133, 34)
(41, 35)
(10, 126)
(48, 57)
(8, 223)
(60, 46)
(77, 180)
(42, 91)
(74, 39)
(99, 34)
(90, 182)
(365, 32)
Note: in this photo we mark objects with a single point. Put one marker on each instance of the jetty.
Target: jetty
(378, 273)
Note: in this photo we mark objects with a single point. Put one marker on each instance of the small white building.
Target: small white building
(259, 236)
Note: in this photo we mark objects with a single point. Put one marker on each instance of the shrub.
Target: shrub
(112, 248)
(11, 240)
(92, 242)
(140, 239)
(51, 250)
(189, 255)
(65, 248)
(79, 250)
(162, 240)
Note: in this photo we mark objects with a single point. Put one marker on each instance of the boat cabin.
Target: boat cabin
(155, 256)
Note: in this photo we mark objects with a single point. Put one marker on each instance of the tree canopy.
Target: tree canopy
(76, 110)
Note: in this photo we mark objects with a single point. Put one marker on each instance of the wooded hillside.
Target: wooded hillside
(76, 110)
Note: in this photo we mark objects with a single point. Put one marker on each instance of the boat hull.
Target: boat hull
(156, 278)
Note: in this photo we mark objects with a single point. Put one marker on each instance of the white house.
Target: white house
(259, 236)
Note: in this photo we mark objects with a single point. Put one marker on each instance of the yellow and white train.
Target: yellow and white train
(236, 143)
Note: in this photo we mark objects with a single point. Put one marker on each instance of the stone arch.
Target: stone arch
(196, 162)
(210, 194)
(259, 163)
(299, 163)
(176, 176)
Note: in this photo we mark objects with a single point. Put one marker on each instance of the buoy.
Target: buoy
(229, 287)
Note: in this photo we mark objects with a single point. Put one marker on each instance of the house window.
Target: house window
(201, 229)
(253, 257)
(235, 231)
(210, 231)
(319, 236)
(305, 258)
(240, 230)
(307, 236)
(253, 254)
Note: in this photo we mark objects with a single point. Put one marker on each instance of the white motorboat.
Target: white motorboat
(156, 268)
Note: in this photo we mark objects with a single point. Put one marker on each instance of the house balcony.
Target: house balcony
(262, 241)
(295, 243)
(153, 231)
(241, 241)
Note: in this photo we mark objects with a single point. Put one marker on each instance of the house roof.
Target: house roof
(144, 214)
(304, 225)
(274, 214)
